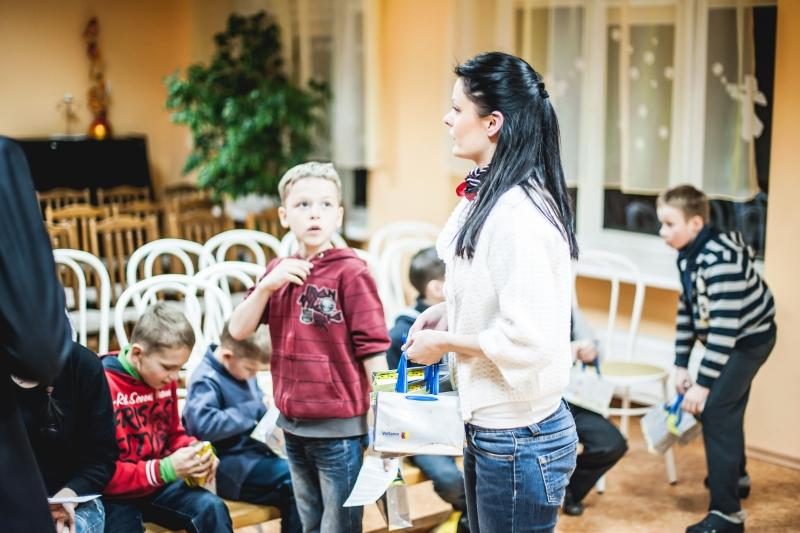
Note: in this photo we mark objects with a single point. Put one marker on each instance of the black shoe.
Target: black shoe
(715, 523)
(743, 486)
(571, 507)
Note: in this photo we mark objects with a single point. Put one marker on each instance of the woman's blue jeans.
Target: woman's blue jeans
(516, 478)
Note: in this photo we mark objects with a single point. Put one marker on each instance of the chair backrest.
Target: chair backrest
(221, 274)
(116, 239)
(205, 315)
(267, 221)
(289, 243)
(187, 256)
(122, 194)
(62, 235)
(62, 197)
(404, 229)
(80, 216)
(198, 225)
(224, 246)
(76, 261)
(392, 278)
(616, 270)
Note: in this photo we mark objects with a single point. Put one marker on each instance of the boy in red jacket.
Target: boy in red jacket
(328, 335)
(156, 455)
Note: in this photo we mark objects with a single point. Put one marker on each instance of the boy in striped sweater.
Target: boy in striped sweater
(725, 305)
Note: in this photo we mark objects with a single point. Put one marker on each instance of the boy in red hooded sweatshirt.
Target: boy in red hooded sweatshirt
(155, 453)
(328, 336)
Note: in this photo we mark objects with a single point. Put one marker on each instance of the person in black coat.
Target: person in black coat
(34, 336)
(70, 424)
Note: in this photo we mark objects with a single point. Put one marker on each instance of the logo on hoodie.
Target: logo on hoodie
(318, 306)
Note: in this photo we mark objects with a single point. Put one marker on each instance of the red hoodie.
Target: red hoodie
(148, 429)
(319, 332)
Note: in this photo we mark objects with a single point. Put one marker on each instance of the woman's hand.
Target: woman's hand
(426, 346)
(434, 317)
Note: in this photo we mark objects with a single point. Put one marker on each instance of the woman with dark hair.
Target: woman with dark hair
(506, 318)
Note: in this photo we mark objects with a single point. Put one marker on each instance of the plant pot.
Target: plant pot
(238, 208)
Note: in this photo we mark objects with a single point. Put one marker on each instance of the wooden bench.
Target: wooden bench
(242, 514)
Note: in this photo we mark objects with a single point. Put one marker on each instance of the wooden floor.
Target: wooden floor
(639, 499)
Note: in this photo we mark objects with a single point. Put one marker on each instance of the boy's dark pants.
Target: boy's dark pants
(175, 506)
(723, 424)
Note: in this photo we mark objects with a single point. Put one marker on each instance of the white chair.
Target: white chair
(619, 365)
(189, 253)
(254, 241)
(88, 320)
(289, 243)
(205, 315)
(404, 229)
(219, 274)
(392, 278)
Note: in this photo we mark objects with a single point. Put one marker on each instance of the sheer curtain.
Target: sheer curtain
(550, 38)
(732, 98)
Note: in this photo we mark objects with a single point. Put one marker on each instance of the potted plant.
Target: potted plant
(249, 122)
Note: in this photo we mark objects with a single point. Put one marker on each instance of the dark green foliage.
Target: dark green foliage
(250, 123)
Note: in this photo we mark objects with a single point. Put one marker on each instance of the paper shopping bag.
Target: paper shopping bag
(589, 390)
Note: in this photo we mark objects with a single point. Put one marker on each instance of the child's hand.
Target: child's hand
(682, 380)
(212, 471)
(287, 271)
(186, 462)
(585, 351)
(695, 399)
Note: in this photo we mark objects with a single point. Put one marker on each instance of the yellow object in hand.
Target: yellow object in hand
(203, 448)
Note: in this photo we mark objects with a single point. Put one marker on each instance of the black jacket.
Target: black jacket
(34, 336)
(72, 433)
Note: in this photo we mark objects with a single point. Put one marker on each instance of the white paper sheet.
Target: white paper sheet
(372, 481)
(73, 499)
(266, 425)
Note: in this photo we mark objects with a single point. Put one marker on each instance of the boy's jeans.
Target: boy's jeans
(723, 425)
(516, 478)
(323, 474)
(90, 517)
(176, 506)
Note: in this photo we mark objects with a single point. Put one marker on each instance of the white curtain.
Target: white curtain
(732, 95)
(551, 39)
(639, 85)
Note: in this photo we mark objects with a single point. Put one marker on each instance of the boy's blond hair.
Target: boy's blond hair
(162, 327)
(312, 169)
(689, 200)
(256, 347)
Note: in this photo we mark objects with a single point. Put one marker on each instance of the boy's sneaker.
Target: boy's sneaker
(571, 507)
(743, 487)
(717, 522)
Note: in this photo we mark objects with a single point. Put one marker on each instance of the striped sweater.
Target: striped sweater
(724, 302)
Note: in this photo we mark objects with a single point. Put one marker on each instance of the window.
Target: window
(652, 94)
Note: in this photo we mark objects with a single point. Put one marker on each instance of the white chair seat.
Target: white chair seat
(627, 373)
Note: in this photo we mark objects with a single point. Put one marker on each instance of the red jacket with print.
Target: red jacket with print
(319, 332)
(148, 429)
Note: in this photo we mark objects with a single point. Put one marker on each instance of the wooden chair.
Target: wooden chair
(267, 221)
(80, 217)
(62, 235)
(183, 190)
(197, 225)
(62, 197)
(115, 239)
(122, 194)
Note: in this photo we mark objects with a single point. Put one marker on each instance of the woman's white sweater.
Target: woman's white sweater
(515, 294)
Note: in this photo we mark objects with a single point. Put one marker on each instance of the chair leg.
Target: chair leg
(669, 462)
(669, 457)
(600, 486)
(624, 418)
